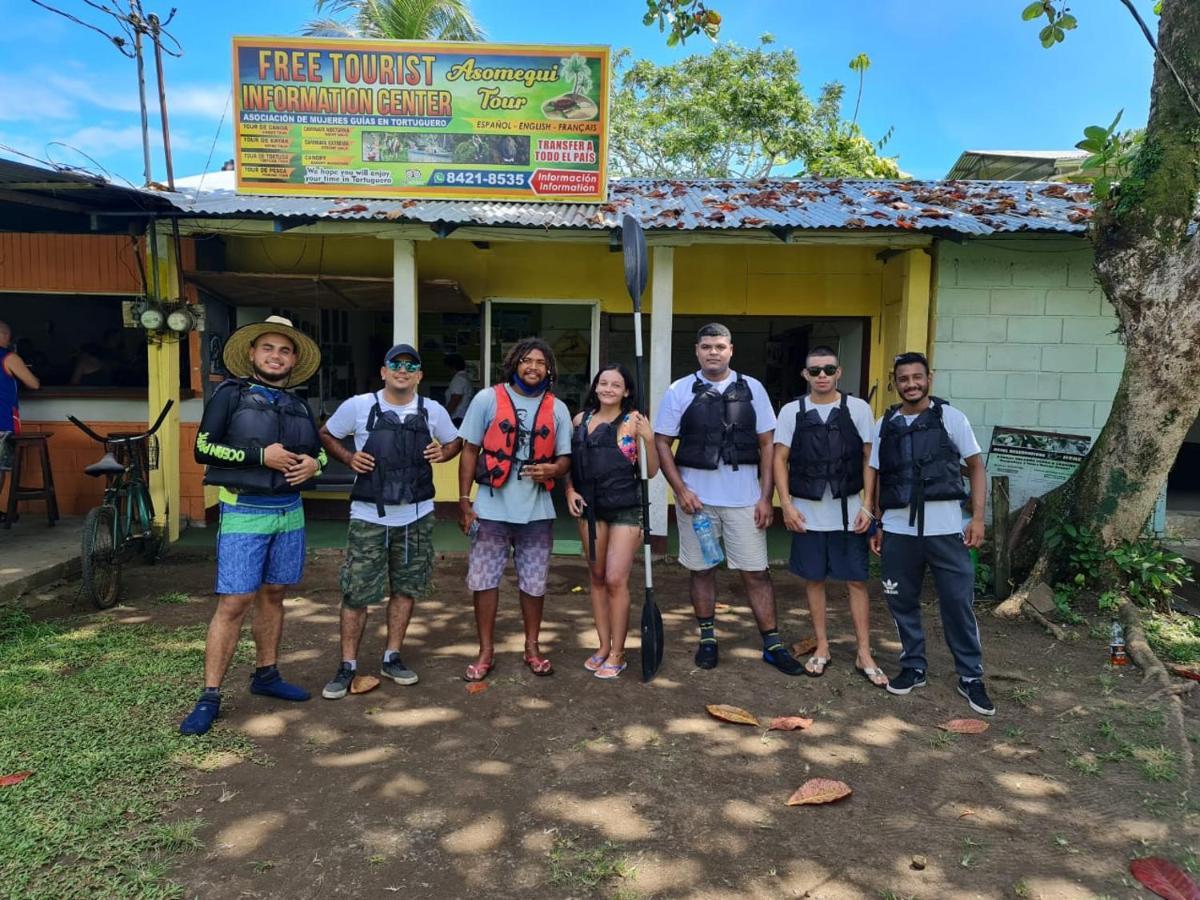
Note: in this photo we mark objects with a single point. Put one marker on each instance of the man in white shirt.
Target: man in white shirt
(722, 471)
(920, 445)
(398, 434)
(822, 446)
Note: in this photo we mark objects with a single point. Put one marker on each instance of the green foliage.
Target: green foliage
(1058, 20)
(733, 112)
(1144, 570)
(683, 18)
(398, 20)
(985, 579)
(1112, 156)
(1174, 636)
(572, 866)
(93, 711)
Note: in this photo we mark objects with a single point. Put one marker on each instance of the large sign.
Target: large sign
(1035, 462)
(320, 117)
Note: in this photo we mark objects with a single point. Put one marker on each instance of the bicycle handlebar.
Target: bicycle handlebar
(129, 439)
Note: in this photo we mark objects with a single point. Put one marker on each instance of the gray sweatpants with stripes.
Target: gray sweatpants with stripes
(904, 559)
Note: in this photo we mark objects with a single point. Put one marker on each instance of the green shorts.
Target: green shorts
(382, 561)
(629, 515)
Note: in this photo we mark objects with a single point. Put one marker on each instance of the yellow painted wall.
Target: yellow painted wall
(730, 280)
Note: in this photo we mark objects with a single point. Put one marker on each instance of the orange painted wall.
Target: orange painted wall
(69, 263)
(71, 450)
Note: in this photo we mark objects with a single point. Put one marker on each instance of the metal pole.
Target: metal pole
(162, 99)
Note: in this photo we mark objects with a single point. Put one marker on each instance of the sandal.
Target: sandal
(592, 663)
(538, 665)
(871, 673)
(821, 662)
(609, 671)
(478, 671)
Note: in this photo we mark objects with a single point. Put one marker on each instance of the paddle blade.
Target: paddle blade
(633, 245)
(652, 637)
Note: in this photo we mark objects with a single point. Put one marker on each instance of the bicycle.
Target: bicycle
(125, 517)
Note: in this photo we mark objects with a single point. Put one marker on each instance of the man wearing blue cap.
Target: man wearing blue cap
(398, 435)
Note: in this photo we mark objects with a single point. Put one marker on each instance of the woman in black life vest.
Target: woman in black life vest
(604, 494)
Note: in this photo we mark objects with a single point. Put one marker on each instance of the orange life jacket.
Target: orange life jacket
(494, 464)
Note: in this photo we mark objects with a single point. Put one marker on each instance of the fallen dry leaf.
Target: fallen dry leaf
(789, 723)
(819, 790)
(919, 862)
(15, 778)
(363, 683)
(722, 607)
(476, 687)
(804, 647)
(578, 589)
(1192, 671)
(734, 714)
(965, 726)
(965, 813)
(1164, 878)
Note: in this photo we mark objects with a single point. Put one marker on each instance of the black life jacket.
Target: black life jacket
(718, 427)
(402, 474)
(918, 463)
(601, 473)
(828, 453)
(257, 422)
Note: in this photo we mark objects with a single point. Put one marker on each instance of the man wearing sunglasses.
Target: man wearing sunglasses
(398, 435)
(722, 468)
(822, 446)
(919, 448)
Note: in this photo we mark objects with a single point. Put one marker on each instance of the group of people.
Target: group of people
(845, 483)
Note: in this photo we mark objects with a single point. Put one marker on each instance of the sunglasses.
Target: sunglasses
(828, 369)
(403, 365)
(533, 361)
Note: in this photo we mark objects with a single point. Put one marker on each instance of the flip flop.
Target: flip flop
(592, 663)
(823, 662)
(871, 673)
(478, 671)
(606, 671)
(539, 665)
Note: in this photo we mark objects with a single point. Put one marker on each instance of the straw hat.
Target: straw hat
(237, 349)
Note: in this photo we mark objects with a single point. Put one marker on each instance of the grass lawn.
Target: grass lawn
(90, 708)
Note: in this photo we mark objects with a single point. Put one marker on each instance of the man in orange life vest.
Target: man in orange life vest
(516, 442)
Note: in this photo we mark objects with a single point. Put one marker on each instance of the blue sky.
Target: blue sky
(946, 75)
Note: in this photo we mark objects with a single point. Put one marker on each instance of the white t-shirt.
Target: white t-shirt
(460, 383)
(941, 516)
(351, 418)
(826, 514)
(722, 486)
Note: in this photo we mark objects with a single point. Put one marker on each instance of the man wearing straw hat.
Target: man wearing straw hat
(260, 444)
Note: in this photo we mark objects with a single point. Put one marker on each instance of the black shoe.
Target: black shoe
(906, 681)
(783, 661)
(339, 685)
(977, 697)
(706, 655)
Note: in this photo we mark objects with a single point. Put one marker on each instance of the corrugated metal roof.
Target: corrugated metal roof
(966, 207)
(77, 187)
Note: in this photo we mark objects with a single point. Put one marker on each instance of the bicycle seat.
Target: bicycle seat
(106, 465)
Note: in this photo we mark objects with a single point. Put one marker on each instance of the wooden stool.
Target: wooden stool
(32, 442)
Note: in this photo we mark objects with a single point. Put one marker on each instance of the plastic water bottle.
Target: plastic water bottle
(710, 547)
(1116, 646)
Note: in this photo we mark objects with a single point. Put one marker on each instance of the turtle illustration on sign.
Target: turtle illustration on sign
(576, 104)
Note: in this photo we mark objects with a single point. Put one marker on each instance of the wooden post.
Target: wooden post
(1002, 556)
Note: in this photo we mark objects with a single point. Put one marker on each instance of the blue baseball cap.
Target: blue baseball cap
(401, 350)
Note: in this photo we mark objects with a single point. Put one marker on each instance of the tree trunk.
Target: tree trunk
(1148, 263)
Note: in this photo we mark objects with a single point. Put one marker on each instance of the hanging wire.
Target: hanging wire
(119, 42)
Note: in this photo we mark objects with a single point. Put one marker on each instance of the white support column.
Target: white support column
(404, 292)
(662, 289)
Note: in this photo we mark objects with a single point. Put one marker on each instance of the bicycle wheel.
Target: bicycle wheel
(101, 560)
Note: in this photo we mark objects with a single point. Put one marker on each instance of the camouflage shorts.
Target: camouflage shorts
(382, 561)
(6, 450)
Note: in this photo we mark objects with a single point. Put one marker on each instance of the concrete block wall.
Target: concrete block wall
(1023, 335)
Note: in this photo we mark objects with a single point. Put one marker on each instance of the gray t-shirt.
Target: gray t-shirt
(519, 500)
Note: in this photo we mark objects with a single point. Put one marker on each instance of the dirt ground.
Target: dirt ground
(551, 786)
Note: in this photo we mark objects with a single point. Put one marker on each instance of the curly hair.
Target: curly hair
(517, 353)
